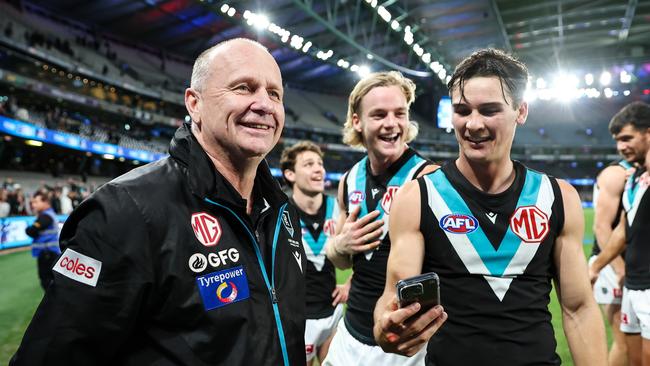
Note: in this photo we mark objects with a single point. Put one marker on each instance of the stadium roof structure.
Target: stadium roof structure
(333, 36)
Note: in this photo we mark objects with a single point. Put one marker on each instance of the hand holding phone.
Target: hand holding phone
(424, 288)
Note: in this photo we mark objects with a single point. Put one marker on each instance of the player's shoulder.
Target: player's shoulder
(428, 169)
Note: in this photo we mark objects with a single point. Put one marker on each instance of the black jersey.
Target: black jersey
(595, 250)
(636, 203)
(494, 256)
(320, 275)
(373, 193)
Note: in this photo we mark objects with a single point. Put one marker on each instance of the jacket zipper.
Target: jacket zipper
(270, 286)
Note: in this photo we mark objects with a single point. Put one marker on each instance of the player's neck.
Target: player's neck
(490, 177)
(379, 163)
(240, 176)
(309, 203)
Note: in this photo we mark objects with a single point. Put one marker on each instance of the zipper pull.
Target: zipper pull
(274, 298)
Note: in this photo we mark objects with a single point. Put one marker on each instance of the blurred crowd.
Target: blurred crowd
(65, 196)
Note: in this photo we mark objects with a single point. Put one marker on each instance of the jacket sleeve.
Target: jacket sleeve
(82, 323)
(42, 222)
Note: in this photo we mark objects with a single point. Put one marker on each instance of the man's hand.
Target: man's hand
(593, 274)
(360, 235)
(399, 331)
(340, 294)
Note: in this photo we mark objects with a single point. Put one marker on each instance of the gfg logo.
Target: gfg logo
(458, 223)
(356, 197)
(530, 224)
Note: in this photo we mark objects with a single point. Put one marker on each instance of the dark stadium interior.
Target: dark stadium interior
(114, 72)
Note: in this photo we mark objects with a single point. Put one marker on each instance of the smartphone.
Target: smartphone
(424, 288)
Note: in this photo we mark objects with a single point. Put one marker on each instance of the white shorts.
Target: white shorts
(345, 350)
(318, 330)
(635, 312)
(607, 289)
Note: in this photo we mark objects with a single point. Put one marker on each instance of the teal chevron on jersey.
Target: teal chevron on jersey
(512, 255)
(316, 244)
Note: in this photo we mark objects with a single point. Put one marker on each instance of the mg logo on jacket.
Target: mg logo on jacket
(206, 228)
(530, 224)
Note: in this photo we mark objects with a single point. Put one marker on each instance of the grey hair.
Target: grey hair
(201, 68)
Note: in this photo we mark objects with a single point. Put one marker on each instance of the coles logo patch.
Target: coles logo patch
(459, 223)
(221, 288)
(206, 228)
(530, 224)
(356, 197)
(78, 267)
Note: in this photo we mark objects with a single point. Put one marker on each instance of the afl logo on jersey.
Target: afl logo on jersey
(530, 224)
(459, 223)
(356, 197)
(387, 200)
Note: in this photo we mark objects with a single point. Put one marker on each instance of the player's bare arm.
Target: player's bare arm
(611, 182)
(394, 331)
(615, 246)
(353, 235)
(583, 324)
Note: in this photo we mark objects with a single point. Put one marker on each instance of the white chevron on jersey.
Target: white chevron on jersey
(470, 256)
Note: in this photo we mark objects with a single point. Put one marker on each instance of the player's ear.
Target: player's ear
(522, 113)
(289, 175)
(356, 123)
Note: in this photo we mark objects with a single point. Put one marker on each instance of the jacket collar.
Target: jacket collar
(207, 182)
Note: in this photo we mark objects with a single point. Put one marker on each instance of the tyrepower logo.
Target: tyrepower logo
(78, 267)
(530, 224)
(458, 223)
(356, 197)
(387, 200)
(206, 228)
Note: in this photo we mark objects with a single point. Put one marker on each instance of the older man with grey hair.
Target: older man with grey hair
(191, 260)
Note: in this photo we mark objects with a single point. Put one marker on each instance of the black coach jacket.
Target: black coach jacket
(162, 266)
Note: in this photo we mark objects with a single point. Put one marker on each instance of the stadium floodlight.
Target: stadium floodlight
(224, 8)
(261, 22)
(354, 68)
(370, 57)
(373, 3)
(447, 79)
(426, 57)
(625, 77)
(363, 71)
(608, 93)
(247, 14)
(305, 48)
(35, 143)
(626, 92)
(108, 156)
(589, 79)
(442, 74)
(384, 13)
(394, 24)
(605, 79)
(540, 83)
(530, 95)
(231, 12)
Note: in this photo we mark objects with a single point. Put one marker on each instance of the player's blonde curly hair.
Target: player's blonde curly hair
(354, 138)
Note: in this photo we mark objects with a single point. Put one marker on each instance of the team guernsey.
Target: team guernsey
(636, 202)
(320, 275)
(494, 256)
(625, 165)
(373, 192)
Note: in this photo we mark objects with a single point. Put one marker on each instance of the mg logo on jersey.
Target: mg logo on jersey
(356, 197)
(458, 223)
(330, 227)
(530, 224)
(387, 200)
(206, 228)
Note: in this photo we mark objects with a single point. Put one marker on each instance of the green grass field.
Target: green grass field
(21, 294)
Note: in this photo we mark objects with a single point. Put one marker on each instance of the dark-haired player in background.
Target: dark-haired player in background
(302, 167)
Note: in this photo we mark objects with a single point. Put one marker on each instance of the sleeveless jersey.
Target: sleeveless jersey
(636, 202)
(320, 276)
(369, 278)
(494, 256)
(595, 250)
